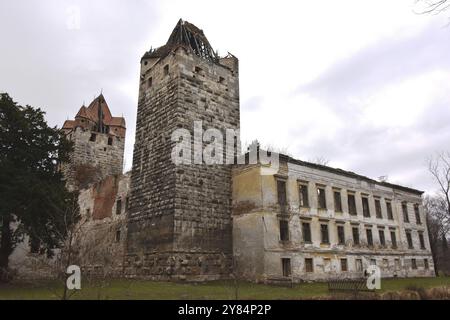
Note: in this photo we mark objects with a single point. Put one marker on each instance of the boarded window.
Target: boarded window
(322, 202)
(351, 204)
(378, 208)
(397, 264)
(393, 240)
(306, 228)
(119, 207)
(341, 234)
(337, 201)
(286, 266)
(425, 264)
(389, 210)
(309, 266)
(284, 230)
(355, 232)
(417, 213)
(366, 209)
(324, 233)
(382, 238)
(405, 212)
(409, 239)
(303, 195)
(369, 237)
(413, 264)
(344, 265)
(422, 240)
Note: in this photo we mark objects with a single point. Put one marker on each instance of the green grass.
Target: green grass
(135, 289)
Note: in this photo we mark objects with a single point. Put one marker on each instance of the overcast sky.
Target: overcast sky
(364, 84)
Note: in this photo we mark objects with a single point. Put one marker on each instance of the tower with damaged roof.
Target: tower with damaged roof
(180, 215)
(98, 139)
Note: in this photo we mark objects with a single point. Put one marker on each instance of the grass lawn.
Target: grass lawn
(135, 289)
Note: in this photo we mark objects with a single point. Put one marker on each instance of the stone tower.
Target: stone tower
(180, 215)
(99, 140)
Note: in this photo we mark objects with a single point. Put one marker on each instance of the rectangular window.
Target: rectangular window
(127, 203)
(409, 239)
(417, 213)
(150, 82)
(322, 202)
(119, 207)
(344, 265)
(425, 264)
(378, 208)
(118, 236)
(110, 141)
(309, 266)
(303, 195)
(281, 188)
(393, 240)
(286, 265)
(284, 230)
(369, 237)
(355, 232)
(397, 264)
(351, 204)
(337, 201)
(413, 264)
(306, 228)
(341, 234)
(382, 239)
(422, 241)
(366, 209)
(93, 137)
(166, 69)
(405, 212)
(324, 233)
(358, 265)
(389, 210)
(373, 262)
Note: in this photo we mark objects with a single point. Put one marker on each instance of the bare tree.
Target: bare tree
(433, 6)
(439, 167)
(320, 160)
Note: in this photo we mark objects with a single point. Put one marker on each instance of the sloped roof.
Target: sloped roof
(186, 35)
(68, 124)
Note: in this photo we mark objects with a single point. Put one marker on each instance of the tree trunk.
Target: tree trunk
(6, 245)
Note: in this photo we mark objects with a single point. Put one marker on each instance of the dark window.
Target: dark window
(198, 70)
(378, 208)
(366, 209)
(93, 137)
(166, 69)
(281, 189)
(88, 212)
(337, 201)
(373, 262)
(393, 240)
(405, 212)
(322, 202)
(284, 230)
(324, 233)
(355, 232)
(117, 235)
(309, 266)
(303, 195)
(149, 82)
(221, 79)
(409, 239)
(286, 265)
(351, 204)
(110, 141)
(417, 213)
(119, 206)
(127, 203)
(306, 228)
(344, 265)
(382, 238)
(341, 234)
(413, 264)
(389, 211)
(422, 240)
(369, 237)
(425, 264)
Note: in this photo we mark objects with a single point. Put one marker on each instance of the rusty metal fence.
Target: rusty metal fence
(354, 285)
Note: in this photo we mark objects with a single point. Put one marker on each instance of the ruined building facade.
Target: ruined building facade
(199, 222)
